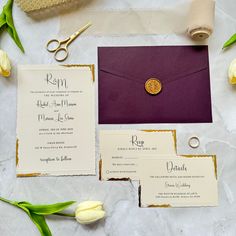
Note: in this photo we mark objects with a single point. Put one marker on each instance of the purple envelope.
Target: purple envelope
(184, 75)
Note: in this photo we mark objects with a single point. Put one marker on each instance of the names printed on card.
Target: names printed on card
(59, 103)
(56, 106)
(178, 181)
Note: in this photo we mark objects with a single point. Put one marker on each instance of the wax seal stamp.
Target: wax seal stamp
(153, 86)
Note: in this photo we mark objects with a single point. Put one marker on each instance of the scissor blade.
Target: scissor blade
(76, 34)
(85, 27)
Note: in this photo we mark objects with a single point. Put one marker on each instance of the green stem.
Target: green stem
(16, 204)
(8, 201)
(64, 214)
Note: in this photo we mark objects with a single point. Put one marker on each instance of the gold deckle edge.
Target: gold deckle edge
(152, 205)
(139, 196)
(17, 148)
(100, 169)
(90, 66)
(29, 175)
(119, 179)
(175, 138)
(215, 164)
(206, 156)
(165, 130)
(110, 179)
(159, 206)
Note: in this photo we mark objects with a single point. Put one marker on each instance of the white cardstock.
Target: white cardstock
(181, 181)
(55, 120)
(120, 151)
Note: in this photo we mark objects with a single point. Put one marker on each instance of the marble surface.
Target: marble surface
(120, 198)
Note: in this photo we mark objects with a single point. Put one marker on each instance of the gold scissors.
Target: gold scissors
(60, 51)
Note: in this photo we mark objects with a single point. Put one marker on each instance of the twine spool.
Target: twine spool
(201, 19)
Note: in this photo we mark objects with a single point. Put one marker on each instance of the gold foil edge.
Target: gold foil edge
(100, 169)
(90, 66)
(152, 205)
(119, 179)
(110, 179)
(215, 164)
(159, 206)
(17, 148)
(139, 195)
(173, 131)
(29, 175)
(214, 159)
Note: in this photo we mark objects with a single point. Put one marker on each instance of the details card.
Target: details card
(55, 120)
(183, 181)
(121, 151)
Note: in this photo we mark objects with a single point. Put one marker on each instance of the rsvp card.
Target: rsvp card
(183, 181)
(121, 151)
(55, 120)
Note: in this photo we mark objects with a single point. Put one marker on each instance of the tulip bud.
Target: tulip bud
(89, 212)
(5, 64)
(232, 72)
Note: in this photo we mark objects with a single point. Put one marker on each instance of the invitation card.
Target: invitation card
(184, 181)
(55, 120)
(121, 151)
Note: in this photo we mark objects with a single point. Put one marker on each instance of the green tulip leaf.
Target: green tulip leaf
(37, 212)
(22, 203)
(231, 41)
(41, 224)
(9, 201)
(6, 21)
(2, 21)
(38, 220)
(47, 209)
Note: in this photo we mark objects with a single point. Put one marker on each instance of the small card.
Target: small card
(184, 181)
(121, 151)
(55, 120)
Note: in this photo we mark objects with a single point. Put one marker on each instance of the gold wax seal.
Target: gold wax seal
(153, 86)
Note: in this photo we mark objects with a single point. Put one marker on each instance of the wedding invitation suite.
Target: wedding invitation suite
(55, 120)
(121, 151)
(181, 181)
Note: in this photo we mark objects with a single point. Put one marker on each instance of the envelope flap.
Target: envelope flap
(164, 62)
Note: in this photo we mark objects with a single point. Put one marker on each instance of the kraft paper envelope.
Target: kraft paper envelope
(184, 75)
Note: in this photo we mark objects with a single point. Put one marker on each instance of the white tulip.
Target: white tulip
(232, 72)
(89, 212)
(5, 64)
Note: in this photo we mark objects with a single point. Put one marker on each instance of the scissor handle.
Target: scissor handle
(53, 45)
(61, 54)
